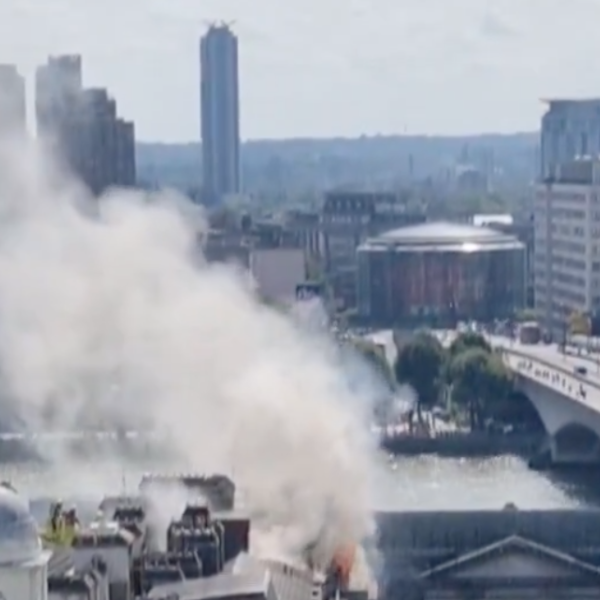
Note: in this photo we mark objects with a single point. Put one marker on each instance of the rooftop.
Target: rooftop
(19, 539)
(571, 101)
(441, 232)
(221, 586)
(442, 236)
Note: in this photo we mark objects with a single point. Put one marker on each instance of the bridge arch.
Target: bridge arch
(576, 438)
(554, 408)
(567, 405)
(521, 409)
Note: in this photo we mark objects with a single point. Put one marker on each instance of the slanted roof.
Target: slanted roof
(473, 564)
(222, 586)
(66, 580)
(61, 561)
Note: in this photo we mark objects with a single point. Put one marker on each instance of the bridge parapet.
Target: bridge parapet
(567, 401)
(559, 378)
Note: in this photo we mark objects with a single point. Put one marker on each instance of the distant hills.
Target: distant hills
(329, 161)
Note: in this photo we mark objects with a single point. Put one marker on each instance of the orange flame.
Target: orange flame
(343, 562)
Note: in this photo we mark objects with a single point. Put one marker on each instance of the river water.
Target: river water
(412, 483)
(401, 483)
(435, 483)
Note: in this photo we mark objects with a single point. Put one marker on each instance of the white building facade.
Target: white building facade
(567, 243)
(570, 128)
(23, 562)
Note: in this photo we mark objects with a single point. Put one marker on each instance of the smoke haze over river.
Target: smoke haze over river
(109, 316)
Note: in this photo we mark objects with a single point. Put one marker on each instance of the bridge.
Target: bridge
(565, 390)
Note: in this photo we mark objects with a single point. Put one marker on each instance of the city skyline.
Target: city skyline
(408, 66)
(83, 125)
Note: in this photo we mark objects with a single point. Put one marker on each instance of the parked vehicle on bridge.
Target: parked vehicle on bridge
(581, 370)
(530, 332)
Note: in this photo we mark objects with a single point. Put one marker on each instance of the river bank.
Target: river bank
(403, 483)
(432, 440)
(461, 444)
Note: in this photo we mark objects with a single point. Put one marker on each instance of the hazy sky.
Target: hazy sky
(324, 67)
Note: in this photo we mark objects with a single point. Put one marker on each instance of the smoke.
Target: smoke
(311, 314)
(110, 317)
(403, 401)
(165, 502)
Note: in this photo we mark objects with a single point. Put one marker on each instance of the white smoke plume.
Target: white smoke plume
(165, 502)
(109, 316)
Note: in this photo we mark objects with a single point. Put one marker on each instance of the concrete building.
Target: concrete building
(570, 128)
(100, 145)
(233, 238)
(567, 243)
(277, 272)
(223, 247)
(23, 562)
(13, 118)
(440, 273)
(220, 114)
(523, 229)
(58, 84)
(304, 231)
(83, 127)
(504, 554)
(348, 219)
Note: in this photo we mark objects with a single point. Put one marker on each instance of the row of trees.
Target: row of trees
(469, 373)
(469, 376)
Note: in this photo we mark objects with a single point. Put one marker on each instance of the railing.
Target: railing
(573, 376)
(592, 359)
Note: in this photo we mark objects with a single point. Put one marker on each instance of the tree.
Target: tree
(419, 364)
(375, 357)
(480, 383)
(579, 323)
(465, 341)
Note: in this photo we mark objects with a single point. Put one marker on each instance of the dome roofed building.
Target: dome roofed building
(443, 236)
(437, 273)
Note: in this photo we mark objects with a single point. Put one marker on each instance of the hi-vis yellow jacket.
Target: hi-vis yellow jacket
(59, 533)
